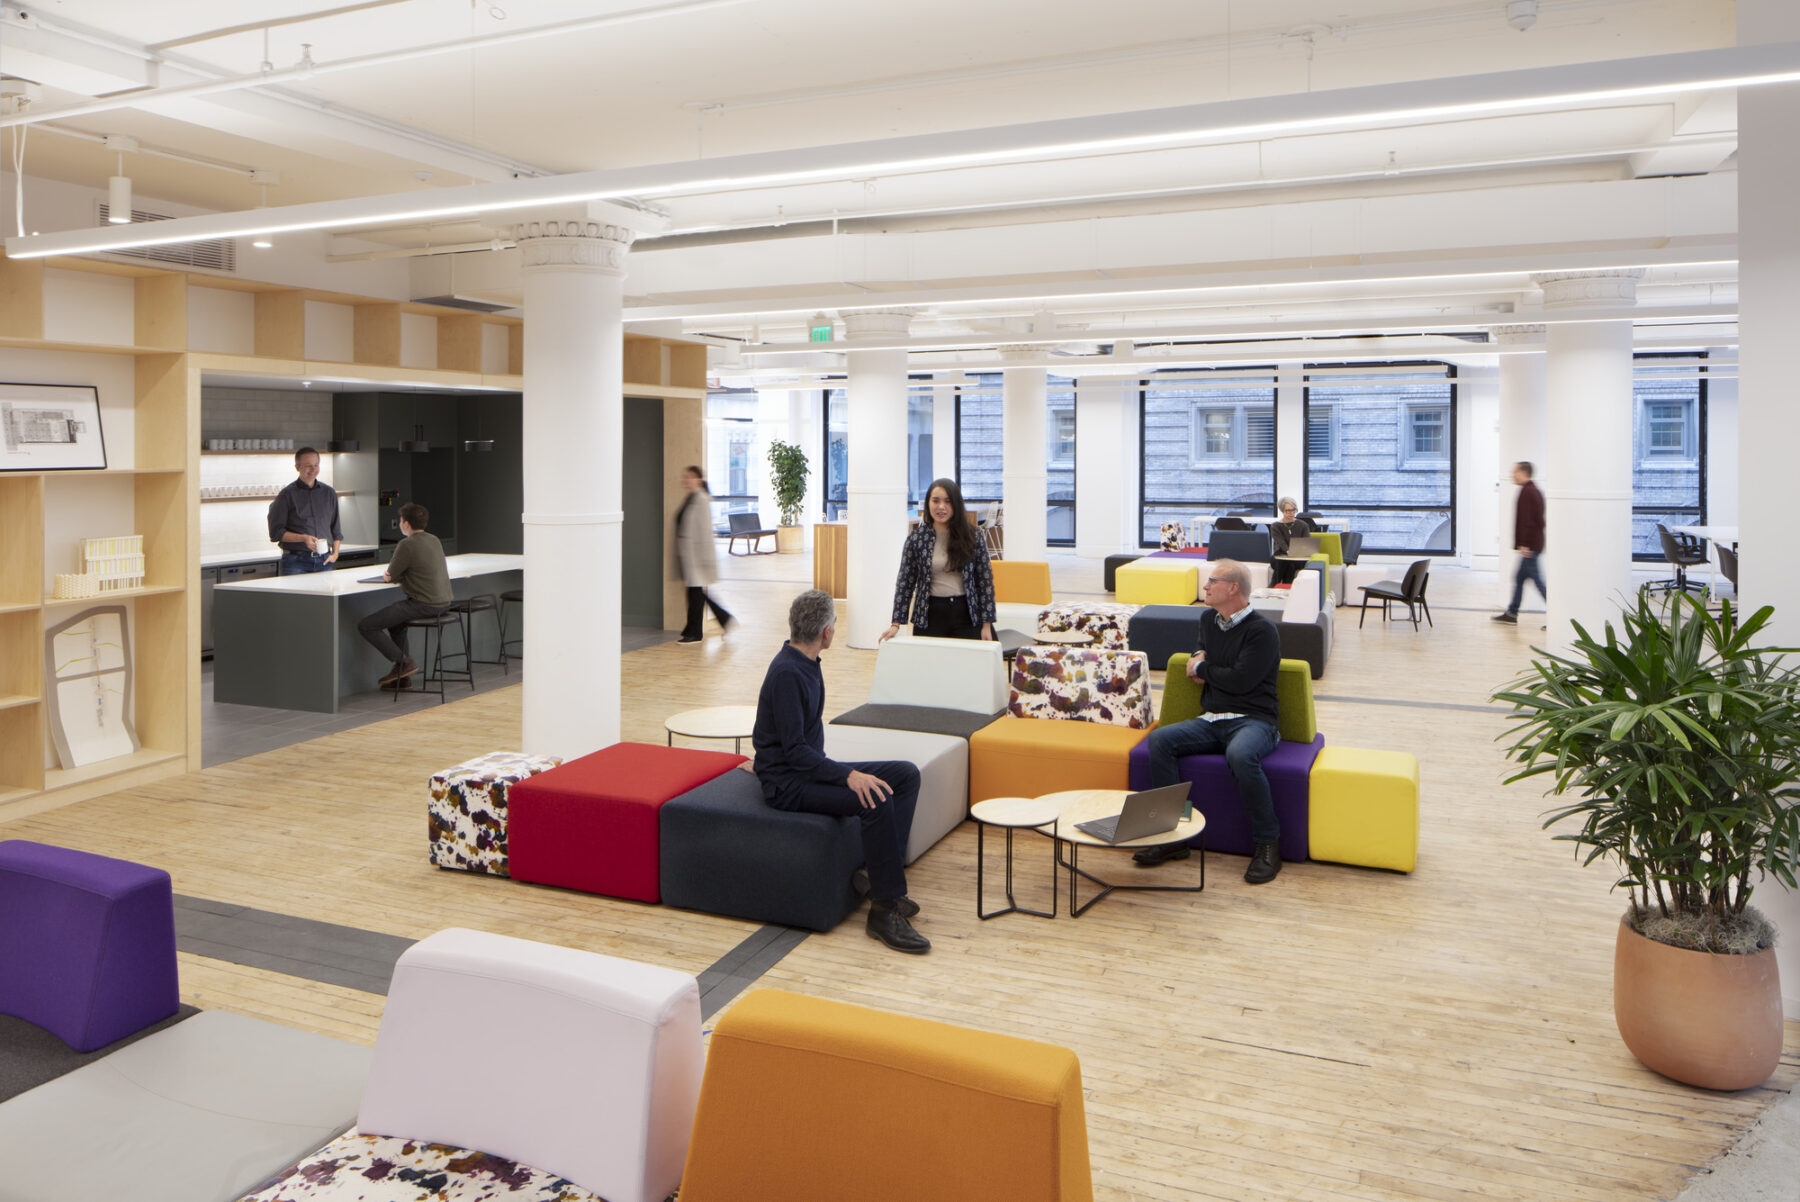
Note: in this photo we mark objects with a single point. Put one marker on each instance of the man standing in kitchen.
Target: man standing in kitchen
(303, 520)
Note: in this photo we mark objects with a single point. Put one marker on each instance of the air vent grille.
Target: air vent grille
(217, 254)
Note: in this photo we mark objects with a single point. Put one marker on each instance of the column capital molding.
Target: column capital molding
(1566, 289)
(1525, 335)
(591, 244)
(895, 322)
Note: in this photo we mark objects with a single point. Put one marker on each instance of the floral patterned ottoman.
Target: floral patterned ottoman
(467, 812)
(380, 1168)
(1107, 623)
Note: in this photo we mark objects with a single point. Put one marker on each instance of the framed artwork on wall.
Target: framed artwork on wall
(50, 428)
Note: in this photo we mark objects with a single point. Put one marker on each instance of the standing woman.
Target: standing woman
(696, 550)
(945, 587)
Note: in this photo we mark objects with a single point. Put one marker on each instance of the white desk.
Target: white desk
(1716, 534)
(291, 642)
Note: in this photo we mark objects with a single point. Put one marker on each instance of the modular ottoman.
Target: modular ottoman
(592, 824)
(1159, 581)
(1106, 622)
(1072, 719)
(943, 764)
(1160, 631)
(1215, 793)
(724, 850)
(466, 817)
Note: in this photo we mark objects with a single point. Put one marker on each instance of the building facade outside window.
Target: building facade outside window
(1668, 448)
(1207, 446)
(1381, 454)
(980, 467)
(837, 448)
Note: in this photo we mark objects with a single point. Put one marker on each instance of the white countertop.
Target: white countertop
(232, 559)
(345, 582)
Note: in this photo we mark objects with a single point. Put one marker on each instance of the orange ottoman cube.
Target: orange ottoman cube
(1029, 757)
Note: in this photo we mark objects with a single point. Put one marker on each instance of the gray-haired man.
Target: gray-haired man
(796, 774)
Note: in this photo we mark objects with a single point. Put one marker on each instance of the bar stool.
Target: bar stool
(469, 607)
(435, 670)
(515, 596)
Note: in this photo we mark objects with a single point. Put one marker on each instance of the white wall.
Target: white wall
(330, 332)
(222, 320)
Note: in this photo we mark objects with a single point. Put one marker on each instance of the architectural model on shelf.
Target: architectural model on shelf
(117, 561)
(88, 685)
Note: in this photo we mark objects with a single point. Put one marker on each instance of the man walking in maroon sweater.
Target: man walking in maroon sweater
(1528, 536)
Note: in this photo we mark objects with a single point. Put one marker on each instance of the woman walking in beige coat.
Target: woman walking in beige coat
(696, 551)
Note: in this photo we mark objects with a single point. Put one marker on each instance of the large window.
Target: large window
(1668, 448)
(730, 445)
(1208, 446)
(837, 448)
(980, 453)
(1381, 453)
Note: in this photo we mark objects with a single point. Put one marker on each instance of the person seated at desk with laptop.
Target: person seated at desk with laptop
(1281, 533)
(1236, 664)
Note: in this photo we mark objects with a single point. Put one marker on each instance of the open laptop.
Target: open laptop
(1302, 546)
(1148, 813)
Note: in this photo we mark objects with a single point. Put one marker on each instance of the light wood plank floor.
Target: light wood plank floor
(1338, 1034)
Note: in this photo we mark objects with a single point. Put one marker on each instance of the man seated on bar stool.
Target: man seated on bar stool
(796, 774)
(418, 568)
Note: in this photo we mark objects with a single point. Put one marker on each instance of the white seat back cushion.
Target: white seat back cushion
(958, 674)
(572, 1062)
(1303, 599)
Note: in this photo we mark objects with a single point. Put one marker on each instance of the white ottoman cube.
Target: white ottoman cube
(943, 764)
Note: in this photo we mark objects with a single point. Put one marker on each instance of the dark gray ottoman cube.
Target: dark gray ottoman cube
(1160, 631)
(1115, 562)
(727, 851)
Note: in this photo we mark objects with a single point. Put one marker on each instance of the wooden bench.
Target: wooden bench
(749, 526)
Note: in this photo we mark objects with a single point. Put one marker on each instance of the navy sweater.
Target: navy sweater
(1240, 667)
(789, 736)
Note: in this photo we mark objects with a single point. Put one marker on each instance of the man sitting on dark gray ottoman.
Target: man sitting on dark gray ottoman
(789, 738)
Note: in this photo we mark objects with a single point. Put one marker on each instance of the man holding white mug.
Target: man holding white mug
(303, 519)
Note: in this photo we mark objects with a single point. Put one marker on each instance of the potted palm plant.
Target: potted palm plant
(1673, 743)
(787, 472)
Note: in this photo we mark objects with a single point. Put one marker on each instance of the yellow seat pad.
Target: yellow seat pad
(1146, 582)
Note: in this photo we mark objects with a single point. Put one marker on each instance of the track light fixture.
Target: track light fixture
(118, 188)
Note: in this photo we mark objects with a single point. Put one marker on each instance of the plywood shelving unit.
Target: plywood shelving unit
(162, 481)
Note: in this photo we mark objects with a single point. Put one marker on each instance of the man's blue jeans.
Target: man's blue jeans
(1531, 567)
(295, 564)
(1244, 742)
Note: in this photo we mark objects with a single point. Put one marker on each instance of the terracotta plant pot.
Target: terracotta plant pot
(1699, 1018)
(790, 540)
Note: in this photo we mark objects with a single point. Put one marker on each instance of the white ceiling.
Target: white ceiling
(702, 79)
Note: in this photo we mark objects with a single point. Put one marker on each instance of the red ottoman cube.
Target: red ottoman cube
(593, 823)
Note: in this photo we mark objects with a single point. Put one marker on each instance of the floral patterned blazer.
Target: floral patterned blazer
(912, 590)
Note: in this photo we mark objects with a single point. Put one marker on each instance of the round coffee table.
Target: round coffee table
(1011, 814)
(734, 722)
(1085, 805)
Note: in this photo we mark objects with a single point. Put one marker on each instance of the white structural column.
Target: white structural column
(1768, 420)
(772, 413)
(943, 424)
(1521, 436)
(876, 490)
(1290, 433)
(1587, 470)
(1024, 478)
(1105, 476)
(573, 446)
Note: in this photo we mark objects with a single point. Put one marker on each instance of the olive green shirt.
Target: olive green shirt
(418, 568)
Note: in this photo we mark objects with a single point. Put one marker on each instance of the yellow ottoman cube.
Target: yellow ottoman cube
(1365, 808)
(1150, 582)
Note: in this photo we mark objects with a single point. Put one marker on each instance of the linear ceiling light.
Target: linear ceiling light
(1377, 106)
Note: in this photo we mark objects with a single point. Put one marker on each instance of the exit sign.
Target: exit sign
(822, 333)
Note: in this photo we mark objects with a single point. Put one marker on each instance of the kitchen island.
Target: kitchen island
(291, 642)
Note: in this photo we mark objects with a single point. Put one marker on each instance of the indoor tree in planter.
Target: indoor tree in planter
(787, 472)
(1673, 744)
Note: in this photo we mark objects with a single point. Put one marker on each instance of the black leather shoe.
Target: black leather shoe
(1509, 617)
(1265, 862)
(887, 924)
(859, 881)
(1162, 853)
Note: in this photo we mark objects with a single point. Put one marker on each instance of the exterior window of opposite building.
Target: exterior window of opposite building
(1668, 452)
(730, 445)
(1381, 453)
(1207, 446)
(980, 451)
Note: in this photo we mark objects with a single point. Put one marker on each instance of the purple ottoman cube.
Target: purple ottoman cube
(88, 943)
(1215, 794)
